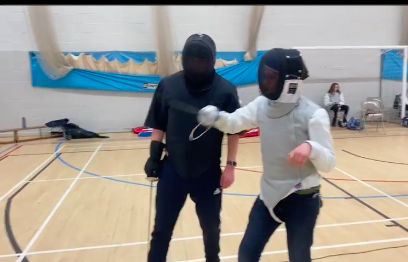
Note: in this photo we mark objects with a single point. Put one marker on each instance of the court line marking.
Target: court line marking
(93, 177)
(192, 238)
(120, 146)
(8, 148)
(267, 253)
(125, 181)
(372, 187)
(373, 159)
(126, 144)
(107, 141)
(54, 210)
(142, 174)
(4, 156)
(225, 193)
(82, 178)
(113, 143)
(244, 168)
(31, 174)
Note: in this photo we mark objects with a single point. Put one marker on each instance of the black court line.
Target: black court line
(7, 221)
(373, 159)
(366, 205)
(356, 253)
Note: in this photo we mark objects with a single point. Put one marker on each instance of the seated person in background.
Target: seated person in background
(334, 100)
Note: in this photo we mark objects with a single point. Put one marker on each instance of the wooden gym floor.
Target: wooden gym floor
(88, 201)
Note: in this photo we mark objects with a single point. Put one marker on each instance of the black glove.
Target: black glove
(154, 162)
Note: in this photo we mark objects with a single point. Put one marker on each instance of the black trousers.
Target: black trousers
(299, 212)
(172, 192)
(336, 108)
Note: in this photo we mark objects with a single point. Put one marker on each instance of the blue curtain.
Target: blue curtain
(242, 73)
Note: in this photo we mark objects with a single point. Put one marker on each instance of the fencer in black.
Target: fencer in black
(189, 167)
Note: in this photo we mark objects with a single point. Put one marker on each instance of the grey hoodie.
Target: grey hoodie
(333, 98)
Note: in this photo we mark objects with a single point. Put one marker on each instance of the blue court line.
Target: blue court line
(1, 152)
(230, 194)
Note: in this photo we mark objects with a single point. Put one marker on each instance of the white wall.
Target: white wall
(99, 28)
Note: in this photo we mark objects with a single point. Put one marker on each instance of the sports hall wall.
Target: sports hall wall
(128, 28)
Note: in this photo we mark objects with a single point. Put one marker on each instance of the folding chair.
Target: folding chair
(382, 106)
(378, 99)
(372, 110)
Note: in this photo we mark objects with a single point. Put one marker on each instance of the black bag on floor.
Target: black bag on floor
(57, 123)
(71, 130)
(79, 133)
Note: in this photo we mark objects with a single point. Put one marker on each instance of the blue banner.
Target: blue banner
(392, 65)
(242, 73)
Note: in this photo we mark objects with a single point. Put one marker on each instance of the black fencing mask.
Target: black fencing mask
(280, 72)
(198, 62)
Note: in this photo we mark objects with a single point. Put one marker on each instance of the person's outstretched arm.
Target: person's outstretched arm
(231, 106)
(321, 142)
(228, 175)
(242, 119)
